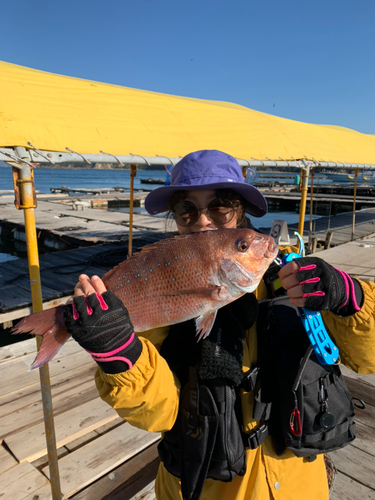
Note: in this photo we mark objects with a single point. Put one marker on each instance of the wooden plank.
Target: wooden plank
(111, 425)
(32, 415)
(30, 444)
(24, 378)
(366, 416)
(5, 354)
(43, 493)
(24, 396)
(355, 463)
(83, 440)
(21, 312)
(139, 487)
(367, 379)
(365, 439)
(361, 390)
(87, 464)
(44, 460)
(347, 488)
(18, 349)
(20, 482)
(23, 363)
(146, 493)
(6, 460)
(112, 483)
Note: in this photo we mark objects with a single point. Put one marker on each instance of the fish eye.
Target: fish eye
(242, 246)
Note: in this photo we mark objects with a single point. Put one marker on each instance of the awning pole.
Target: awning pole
(26, 200)
(133, 173)
(302, 210)
(311, 206)
(354, 201)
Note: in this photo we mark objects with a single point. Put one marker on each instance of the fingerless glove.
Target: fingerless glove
(102, 326)
(328, 289)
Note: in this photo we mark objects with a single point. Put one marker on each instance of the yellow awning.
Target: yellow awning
(54, 112)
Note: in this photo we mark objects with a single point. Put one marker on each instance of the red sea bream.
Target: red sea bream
(185, 277)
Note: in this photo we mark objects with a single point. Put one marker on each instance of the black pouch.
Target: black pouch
(324, 408)
(312, 409)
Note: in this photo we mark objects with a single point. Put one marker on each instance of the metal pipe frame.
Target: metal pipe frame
(354, 201)
(57, 158)
(25, 186)
(302, 210)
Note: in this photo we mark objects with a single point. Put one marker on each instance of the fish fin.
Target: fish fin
(213, 292)
(49, 324)
(51, 344)
(204, 324)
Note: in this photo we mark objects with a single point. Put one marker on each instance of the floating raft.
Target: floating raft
(62, 218)
(59, 273)
(341, 227)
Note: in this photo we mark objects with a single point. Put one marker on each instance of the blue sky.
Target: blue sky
(307, 61)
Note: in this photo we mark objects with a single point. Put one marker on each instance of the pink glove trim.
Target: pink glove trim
(311, 280)
(349, 290)
(347, 287)
(75, 312)
(111, 353)
(88, 308)
(319, 293)
(306, 268)
(102, 302)
(115, 358)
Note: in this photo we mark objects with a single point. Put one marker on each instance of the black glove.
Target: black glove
(328, 289)
(102, 326)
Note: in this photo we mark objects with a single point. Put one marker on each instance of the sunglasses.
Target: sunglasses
(220, 211)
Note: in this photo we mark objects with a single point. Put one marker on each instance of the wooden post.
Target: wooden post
(354, 200)
(314, 244)
(327, 243)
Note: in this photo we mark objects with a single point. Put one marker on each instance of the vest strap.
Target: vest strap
(250, 379)
(262, 411)
(256, 437)
(347, 425)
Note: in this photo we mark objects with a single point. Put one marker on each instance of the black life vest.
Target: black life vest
(303, 405)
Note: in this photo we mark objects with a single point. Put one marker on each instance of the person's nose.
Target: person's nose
(203, 220)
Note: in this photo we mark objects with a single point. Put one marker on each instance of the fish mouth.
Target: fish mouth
(272, 250)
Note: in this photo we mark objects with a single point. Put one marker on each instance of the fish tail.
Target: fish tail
(51, 326)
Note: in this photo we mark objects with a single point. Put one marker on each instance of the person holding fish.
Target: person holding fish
(208, 282)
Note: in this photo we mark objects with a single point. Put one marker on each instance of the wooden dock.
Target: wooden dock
(73, 221)
(60, 218)
(355, 464)
(101, 456)
(341, 227)
(59, 272)
(93, 442)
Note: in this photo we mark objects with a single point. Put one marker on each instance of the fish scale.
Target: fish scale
(157, 273)
(172, 281)
(184, 264)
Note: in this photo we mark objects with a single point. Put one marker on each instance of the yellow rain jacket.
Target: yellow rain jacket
(147, 396)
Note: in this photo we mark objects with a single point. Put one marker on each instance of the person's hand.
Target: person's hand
(87, 286)
(313, 283)
(100, 323)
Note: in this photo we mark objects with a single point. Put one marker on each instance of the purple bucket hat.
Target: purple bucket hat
(207, 169)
